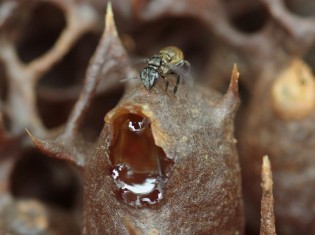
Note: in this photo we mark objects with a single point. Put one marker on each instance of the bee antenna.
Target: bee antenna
(127, 79)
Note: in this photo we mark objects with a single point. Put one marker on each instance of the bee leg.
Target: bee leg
(177, 83)
(167, 83)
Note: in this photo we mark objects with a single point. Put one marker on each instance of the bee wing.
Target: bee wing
(135, 63)
(184, 72)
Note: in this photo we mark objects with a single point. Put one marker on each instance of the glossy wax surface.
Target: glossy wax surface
(139, 166)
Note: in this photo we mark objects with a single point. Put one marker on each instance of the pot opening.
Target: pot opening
(139, 167)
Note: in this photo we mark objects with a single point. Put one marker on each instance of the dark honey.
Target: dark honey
(139, 167)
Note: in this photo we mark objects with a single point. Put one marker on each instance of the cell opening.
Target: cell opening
(54, 113)
(7, 124)
(93, 122)
(60, 87)
(41, 29)
(71, 69)
(250, 19)
(3, 83)
(48, 180)
(304, 8)
(139, 167)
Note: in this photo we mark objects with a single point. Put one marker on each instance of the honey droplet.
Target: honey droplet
(140, 168)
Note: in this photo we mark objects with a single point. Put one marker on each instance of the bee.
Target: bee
(169, 60)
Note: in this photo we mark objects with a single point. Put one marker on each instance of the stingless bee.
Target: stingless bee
(169, 60)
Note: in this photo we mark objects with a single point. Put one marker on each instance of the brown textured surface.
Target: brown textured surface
(181, 119)
(289, 143)
(194, 128)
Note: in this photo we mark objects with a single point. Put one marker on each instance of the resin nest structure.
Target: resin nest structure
(159, 156)
(60, 76)
(282, 127)
(166, 164)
